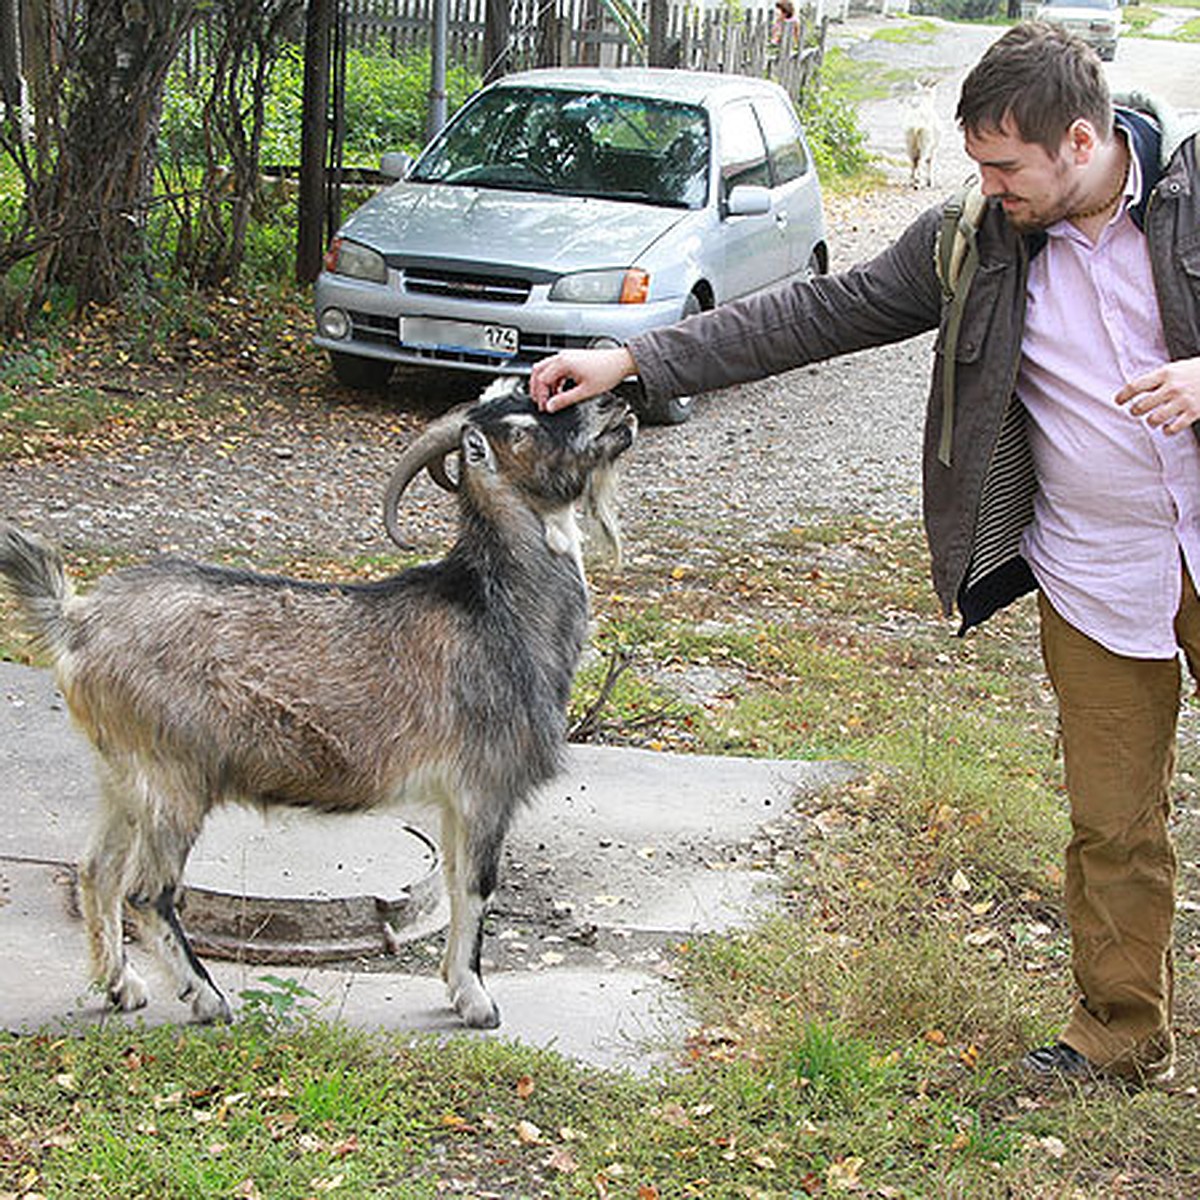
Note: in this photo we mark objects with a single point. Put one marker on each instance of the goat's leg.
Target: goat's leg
(103, 877)
(470, 863)
(163, 854)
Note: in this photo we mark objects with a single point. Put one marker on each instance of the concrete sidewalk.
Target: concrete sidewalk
(625, 853)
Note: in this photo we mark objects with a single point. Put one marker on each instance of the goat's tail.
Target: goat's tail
(33, 570)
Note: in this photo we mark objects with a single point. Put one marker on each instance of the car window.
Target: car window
(575, 143)
(788, 157)
(743, 151)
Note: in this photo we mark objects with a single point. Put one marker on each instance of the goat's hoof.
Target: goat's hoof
(209, 1007)
(476, 1008)
(130, 993)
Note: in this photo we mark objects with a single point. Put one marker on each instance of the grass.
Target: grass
(911, 30)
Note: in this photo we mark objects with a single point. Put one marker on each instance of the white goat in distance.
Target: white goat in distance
(922, 133)
(447, 683)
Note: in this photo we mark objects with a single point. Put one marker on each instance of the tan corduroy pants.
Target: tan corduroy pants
(1118, 718)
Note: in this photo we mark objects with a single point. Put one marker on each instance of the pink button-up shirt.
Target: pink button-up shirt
(1118, 502)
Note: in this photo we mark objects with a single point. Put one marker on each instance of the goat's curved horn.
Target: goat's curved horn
(427, 452)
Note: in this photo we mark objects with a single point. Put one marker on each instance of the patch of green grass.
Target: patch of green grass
(1135, 18)
(908, 31)
(855, 80)
(235, 1112)
(1188, 32)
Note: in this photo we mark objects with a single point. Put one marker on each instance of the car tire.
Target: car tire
(361, 374)
(678, 409)
(675, 411)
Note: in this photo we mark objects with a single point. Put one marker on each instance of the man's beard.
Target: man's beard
(1027, 220)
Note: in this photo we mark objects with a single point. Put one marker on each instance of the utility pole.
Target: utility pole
(437, 68)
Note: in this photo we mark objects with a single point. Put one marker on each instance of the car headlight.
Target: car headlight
(630, 286)
(356, 260)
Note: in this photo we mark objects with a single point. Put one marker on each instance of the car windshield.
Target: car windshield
(575, 144)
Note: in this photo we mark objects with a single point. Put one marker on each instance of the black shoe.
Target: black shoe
(1059, 1061)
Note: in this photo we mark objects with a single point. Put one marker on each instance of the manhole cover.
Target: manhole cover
(299, 886)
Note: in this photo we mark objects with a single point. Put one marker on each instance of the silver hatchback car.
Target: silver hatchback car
(572, 207)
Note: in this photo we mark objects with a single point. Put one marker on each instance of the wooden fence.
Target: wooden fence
(573, 32)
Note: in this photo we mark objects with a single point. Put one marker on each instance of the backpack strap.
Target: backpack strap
(956, 256)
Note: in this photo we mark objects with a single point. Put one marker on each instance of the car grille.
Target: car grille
(494, 289)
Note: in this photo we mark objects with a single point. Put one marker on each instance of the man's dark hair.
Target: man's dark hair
(1044, 79)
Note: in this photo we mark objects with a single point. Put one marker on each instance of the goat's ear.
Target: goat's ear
(476, 450)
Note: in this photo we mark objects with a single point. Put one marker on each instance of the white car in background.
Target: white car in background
(572, 207)
(1097, 22)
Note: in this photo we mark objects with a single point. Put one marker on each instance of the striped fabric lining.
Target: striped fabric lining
(1006, 505)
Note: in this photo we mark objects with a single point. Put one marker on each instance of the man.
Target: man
(1062, 460)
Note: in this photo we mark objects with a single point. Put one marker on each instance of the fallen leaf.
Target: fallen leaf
(529, 1134)
(562, 1160)
(672, 1114)
(525, 1087)
(842, 1174)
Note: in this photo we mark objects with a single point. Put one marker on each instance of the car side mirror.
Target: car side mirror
(748, 200)
(395, 164)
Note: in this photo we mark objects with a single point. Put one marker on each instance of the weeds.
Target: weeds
(278, 1005)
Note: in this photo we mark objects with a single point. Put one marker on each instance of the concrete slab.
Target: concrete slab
(625, 853)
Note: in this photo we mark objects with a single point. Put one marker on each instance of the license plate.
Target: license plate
(430, 333)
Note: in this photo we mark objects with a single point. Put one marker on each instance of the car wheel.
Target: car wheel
(362, 374)
(675, 411)
(678, 409)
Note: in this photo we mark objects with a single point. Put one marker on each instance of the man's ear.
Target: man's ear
(1082, 140)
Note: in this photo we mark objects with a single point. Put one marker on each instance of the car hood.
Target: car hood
(553, 234)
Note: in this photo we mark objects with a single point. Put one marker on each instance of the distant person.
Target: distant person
(1065, 460)
(785, 14)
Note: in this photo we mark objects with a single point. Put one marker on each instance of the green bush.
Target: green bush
(830, 117)
(385, 105)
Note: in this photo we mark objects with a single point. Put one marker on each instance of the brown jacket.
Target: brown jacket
(976, 506)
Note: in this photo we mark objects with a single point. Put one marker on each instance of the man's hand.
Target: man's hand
(1168, 396)
(573, 375)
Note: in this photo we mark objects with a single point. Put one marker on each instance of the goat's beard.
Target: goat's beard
(600, 510)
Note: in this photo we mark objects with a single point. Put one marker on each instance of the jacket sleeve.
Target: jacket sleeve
(893, 296)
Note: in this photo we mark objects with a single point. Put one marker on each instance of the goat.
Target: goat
(922, 132)
(446, 683)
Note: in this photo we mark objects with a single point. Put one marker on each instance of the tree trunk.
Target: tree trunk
(314, 138)
(100, 192)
